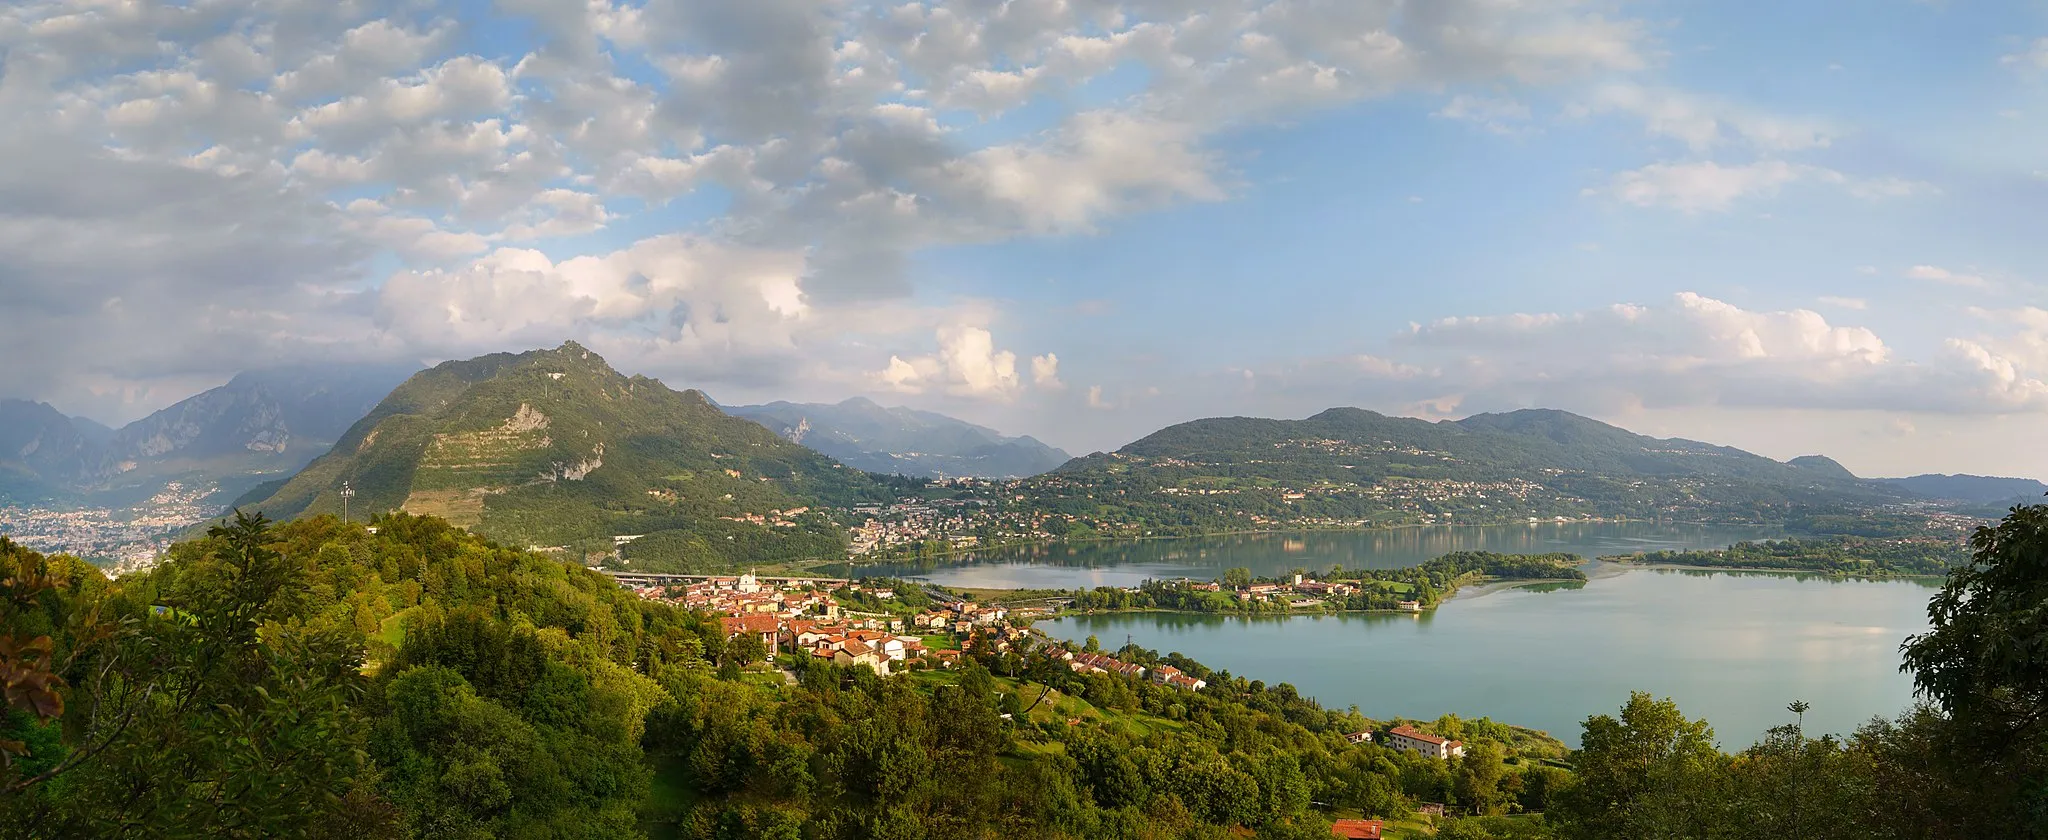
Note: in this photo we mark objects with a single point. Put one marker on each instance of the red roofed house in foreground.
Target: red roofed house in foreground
(764, 625)
(1356, 829)
(1415, 740)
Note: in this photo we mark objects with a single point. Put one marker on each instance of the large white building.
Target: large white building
(1416, 741)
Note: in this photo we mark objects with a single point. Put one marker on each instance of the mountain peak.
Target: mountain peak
(1822, 464)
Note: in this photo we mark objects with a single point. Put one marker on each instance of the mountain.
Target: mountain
(554, 448)
(1970, 488)
(40, 448)
(259, 423)
(1349, 465)
(1823, 465)
(903, 441)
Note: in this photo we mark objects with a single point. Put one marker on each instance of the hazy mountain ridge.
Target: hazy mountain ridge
(553, 447)
(1970, 488)
(259, 422)
(863, 434)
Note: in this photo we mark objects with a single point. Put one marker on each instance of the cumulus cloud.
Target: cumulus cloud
(256, 167)
(1690, 352)
(967, 364)
(1045, 372)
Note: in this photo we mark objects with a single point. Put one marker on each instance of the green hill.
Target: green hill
(1349, 464)
(554, 448)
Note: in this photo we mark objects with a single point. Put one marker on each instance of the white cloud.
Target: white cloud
(967, 364)
(2035, 57)
(1095, 399)
(1045, 372)
(1706, 186)
(1937, 274)
(1703, 123)
(1501, 116)
(1858, 304)
(1703, 186)
(1693, 352)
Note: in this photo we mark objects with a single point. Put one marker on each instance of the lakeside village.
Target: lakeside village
(804, 616)
(986, 513)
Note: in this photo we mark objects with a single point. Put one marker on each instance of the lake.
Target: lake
(1127, 563)
(1731, 647)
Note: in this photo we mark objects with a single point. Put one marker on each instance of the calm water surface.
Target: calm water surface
(1734, 648)
(1084, 565)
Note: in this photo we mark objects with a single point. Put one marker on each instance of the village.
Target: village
(802, 616)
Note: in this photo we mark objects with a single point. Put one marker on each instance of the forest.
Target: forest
(316, 679)
(1829, 555)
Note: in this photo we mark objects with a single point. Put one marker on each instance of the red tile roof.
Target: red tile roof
(1356, 829)
(751, 623)
(1417, 734)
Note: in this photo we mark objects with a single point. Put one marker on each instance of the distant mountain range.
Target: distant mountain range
(1349, 464)
(554, 448)
(259, 423)
(903, 441)
(1971, 488)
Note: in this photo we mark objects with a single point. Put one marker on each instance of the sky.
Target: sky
(1790, 227)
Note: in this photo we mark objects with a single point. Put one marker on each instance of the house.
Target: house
(1359, 737)
(857, 652)
(1417, 741)
(763, 624)
(1356, 829)
(1410, 606)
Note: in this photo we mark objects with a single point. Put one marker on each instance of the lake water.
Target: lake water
(1731, 647)
(1127, 563)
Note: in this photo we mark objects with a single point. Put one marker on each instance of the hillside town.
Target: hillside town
(118, 539)
(802, 616)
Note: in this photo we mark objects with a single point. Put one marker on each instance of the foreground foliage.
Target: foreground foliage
(320, 680)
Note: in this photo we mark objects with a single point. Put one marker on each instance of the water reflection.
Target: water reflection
(1733, 647)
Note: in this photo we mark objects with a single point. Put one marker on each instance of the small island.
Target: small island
(1843, 556)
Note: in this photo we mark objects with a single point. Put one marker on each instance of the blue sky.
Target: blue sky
(1789, 227)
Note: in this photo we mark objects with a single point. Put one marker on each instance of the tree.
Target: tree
(746, 648)
(1984, 657)
(1642, 775)
(1476, 781)
(1237, 576)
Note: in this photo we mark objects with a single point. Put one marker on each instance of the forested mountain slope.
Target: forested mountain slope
(554, 448)
(1349, 464)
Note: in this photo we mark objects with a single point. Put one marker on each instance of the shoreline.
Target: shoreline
(853, 564)
(1623, 566)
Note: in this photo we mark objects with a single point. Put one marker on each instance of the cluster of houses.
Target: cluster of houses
(1409, 739)
(964, 617)
(745, 594)
(1301, 593)
(1096, 663)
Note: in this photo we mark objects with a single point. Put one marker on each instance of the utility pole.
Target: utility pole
(347, 493)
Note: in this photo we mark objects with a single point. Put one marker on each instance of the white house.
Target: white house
(1417, 741)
